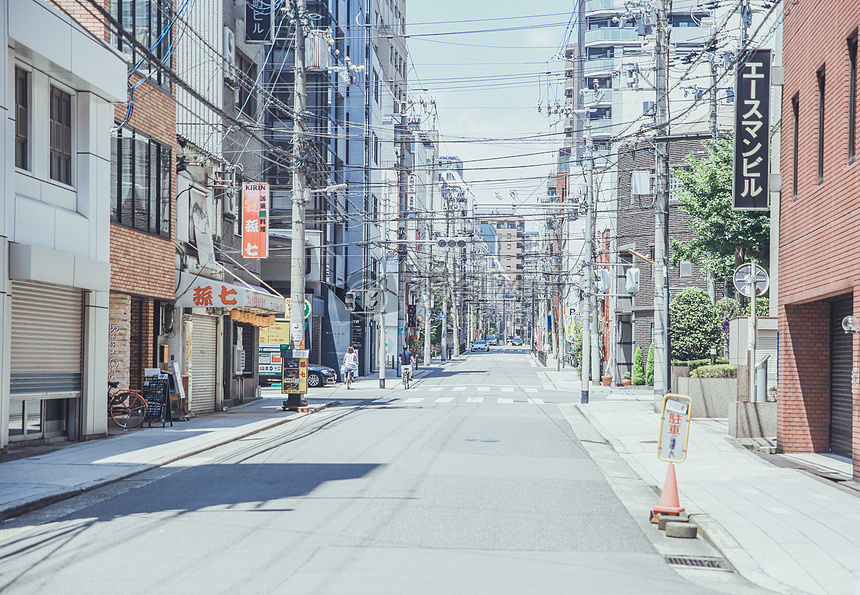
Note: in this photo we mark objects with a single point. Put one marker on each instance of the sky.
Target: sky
(487, 87)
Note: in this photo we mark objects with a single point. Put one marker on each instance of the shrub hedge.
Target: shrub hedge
(718, 371)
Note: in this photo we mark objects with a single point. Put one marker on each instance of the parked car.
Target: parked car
(517, 342)
(320, 376)
(491, 340)
(480, 346)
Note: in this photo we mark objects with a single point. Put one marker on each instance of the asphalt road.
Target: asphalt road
(473, 481)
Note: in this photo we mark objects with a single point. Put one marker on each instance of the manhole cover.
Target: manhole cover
(707, 563)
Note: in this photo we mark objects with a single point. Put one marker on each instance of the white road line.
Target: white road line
(475, 400)
(531, 389)
(459, 388)
(414, 400)
(444, 400)
(436, 389)
(507, 389)
(483, 389)
(385, 400)
(503, 400)
(536, 401)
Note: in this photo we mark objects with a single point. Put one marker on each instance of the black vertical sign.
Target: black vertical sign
(258, 21)
(752, 133)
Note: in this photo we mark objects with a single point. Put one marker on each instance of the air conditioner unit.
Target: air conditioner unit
(229, 56)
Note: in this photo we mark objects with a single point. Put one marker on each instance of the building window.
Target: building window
(820, 75)
(852, 95)
(140, 182)
(686, 269)
(149, 22)
(246, 99)
(61, 136)
(795, 122)
(22, 118)
(375, 148)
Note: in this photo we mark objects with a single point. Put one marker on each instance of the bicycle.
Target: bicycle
(126, 408)
(348, 378)
(406, 375)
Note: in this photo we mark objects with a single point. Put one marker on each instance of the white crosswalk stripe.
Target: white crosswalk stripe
(414, 400)
(436, 389)
(475, 400)
(483, 389)
(531, 389)
(508, 389)
(504, 400)
(444, 400)
(459, 388)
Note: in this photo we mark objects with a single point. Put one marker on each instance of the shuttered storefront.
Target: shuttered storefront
(204, 362)
(841, 362)
(47, 327)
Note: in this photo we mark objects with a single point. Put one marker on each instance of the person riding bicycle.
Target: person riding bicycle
(350, 364)
(406, 361)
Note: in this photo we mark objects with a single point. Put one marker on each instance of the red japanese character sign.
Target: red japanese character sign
(674, 428)
(255, 220)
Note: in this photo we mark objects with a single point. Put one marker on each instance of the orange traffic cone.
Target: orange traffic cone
(669, 504)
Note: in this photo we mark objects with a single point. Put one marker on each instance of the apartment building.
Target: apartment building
(57, 346)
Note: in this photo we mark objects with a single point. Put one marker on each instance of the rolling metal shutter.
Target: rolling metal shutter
(47, 330)
(316, 339)
(204, 362)
(841, 362)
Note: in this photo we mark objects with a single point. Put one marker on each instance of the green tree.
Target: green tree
(649, 370)
(724, 239)
(728, 308)
(637, 377)
(694, 325)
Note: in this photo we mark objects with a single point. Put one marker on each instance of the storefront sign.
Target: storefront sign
(752, 133)
(199, 292)
(258, 21)
(255, 220)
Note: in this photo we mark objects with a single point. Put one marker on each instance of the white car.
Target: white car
(480, 346)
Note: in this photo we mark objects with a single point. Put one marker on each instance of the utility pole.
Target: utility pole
(380, 316)
(428, 308)
(589, 271)
(660, 337)
(297, 244)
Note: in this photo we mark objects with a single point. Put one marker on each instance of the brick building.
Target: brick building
(819, 284)
(634, 316)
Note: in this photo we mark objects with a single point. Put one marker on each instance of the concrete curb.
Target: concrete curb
(19, 508)
(713, 532)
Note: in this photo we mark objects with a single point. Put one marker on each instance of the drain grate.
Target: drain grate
(701, 562)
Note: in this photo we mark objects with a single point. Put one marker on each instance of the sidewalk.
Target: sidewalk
(782, 527)
(32, 482)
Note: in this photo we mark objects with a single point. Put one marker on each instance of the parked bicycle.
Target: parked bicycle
(127, 408)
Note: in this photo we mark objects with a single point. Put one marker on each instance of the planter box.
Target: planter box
(752, 420)
(680, 371)
(711, 396)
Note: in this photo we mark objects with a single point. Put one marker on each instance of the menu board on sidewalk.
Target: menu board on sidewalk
(156, 392)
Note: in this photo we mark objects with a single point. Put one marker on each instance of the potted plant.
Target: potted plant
(626, 381)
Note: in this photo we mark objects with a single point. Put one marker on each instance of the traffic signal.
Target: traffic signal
(632, 280)
(451, 242)
(349, 301)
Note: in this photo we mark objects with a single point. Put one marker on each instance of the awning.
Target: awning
(200, 292)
